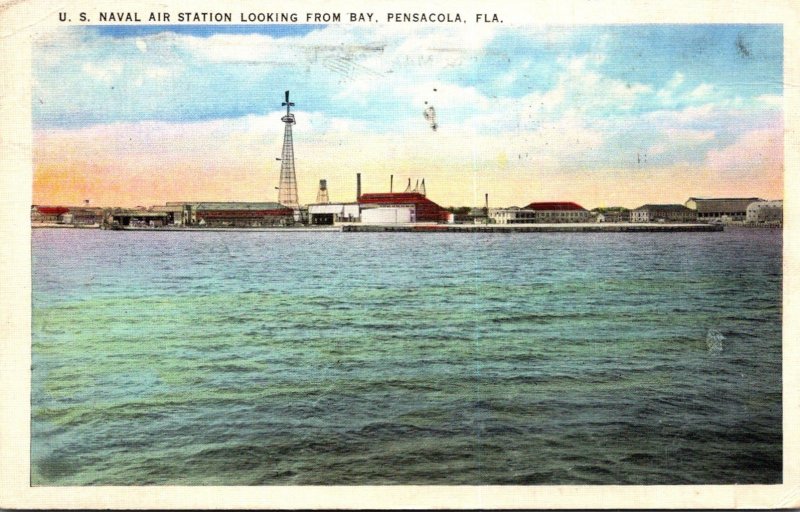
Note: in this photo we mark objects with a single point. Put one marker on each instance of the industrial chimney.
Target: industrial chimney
(358, 186)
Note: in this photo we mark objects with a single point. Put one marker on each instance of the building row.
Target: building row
(403, 208)
(724, 211)
(210, 214)
(750, 210)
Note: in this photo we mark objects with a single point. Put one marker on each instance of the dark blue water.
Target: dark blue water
(401, 358)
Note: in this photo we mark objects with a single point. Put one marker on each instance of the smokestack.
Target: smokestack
(358, 186)
(391, 182)
(487, 203)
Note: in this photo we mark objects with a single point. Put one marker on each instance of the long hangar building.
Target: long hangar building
(412, 205)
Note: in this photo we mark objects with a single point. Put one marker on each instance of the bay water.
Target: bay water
(297, 358)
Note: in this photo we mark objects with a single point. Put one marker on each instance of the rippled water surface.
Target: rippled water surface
(402, 358)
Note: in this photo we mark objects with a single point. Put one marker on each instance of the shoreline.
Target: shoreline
(441, 228)
(536, 228)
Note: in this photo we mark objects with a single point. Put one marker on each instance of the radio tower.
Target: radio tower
(287, 187)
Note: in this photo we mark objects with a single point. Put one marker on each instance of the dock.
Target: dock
(533, 228)
(432, 228)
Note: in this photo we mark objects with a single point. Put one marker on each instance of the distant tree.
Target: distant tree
(458, 210)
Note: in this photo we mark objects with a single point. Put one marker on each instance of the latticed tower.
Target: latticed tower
(287, 187)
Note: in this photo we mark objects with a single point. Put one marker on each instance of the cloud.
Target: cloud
(105, 72)
(160, 72)
(677, 135)
(666, 95)
(754, 153)
(702, 91)
(582, 87)
(239, 48)
(527, 105)
(771, 100)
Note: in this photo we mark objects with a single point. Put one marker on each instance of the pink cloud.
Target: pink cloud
(755, 151)
(754, 162)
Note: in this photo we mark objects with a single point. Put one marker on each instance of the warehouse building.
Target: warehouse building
(388, 215)
(84, 216)
(765, 212)
(241, 214)
(136, 218)
(48, 214)
(75, 215)
(230, 214)
(424, 209)
(174, 213)
(611, 214)
(724, 210)
(326, 214)
(663, 213)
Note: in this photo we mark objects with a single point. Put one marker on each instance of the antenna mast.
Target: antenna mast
(287, 187)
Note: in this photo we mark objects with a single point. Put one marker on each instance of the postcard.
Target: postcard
(399, 255)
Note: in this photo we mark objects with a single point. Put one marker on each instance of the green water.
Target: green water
(344, 358)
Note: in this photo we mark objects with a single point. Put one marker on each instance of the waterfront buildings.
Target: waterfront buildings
(401, 208)
(552, 212)
(724, 210)
(227, 214)
(611, 214)
(513, 215)
(663, 213)
(137, 217)
(557, 212)
(330, 213)
(475, 216)
(174, 213)
(389, 215)
(765, 212)
(48, 214)
(425, 210)
(67, 215)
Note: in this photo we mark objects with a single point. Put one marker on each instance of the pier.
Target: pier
(534, 228)
(433, 228)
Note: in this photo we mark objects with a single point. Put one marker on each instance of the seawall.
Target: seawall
(439, 228)
(534, 228)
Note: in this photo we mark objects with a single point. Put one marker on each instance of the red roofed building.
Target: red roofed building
(83, 215)
(425, 209)
(49, 214)
(556, 207)
(52, 211)
(557, 212)
(542, 213)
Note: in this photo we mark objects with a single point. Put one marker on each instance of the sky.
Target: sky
(618, 115)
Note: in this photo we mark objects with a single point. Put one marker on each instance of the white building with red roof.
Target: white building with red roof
(541, 213)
